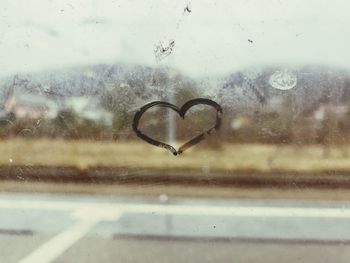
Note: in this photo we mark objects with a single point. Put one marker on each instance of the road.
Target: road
(62, 228)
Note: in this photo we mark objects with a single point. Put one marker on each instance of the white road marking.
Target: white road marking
(89, 214)
(52, 249)
(250, 211)
(41, 205)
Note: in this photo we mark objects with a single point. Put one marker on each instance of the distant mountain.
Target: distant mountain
(127, 86)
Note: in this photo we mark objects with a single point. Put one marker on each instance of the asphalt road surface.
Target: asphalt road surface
(60, 228)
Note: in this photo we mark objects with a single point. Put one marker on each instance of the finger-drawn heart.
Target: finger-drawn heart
(182, 112)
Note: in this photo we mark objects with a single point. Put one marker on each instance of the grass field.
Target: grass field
(231, 157)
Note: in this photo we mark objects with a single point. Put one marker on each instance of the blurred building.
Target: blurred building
(30, 106)
(89, 108)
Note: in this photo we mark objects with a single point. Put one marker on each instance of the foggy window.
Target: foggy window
(146, 131)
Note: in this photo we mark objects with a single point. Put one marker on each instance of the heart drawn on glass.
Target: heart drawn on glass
(182, 112)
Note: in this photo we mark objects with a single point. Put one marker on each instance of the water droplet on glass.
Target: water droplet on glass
(283, 80)
(164, 49)
(163, 198)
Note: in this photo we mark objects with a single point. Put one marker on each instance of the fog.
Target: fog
(211, 37)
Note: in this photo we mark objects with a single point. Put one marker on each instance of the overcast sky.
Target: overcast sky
(216, 37)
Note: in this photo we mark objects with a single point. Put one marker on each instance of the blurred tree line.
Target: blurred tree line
(315, 111)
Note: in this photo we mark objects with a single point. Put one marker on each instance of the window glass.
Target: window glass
(174, 130)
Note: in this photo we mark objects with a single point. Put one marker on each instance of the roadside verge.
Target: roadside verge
(113, 175)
